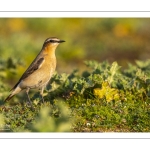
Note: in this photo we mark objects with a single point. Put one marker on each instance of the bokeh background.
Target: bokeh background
(113, 39)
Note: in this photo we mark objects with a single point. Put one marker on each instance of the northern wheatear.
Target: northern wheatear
(40, 71)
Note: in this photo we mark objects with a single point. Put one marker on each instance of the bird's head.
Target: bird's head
(53, 41)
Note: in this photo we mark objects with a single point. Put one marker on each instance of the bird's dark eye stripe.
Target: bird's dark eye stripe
(52, 41)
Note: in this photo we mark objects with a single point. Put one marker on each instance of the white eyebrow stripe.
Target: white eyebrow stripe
(54, 39)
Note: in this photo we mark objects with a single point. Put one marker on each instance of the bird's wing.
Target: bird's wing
(33, 67)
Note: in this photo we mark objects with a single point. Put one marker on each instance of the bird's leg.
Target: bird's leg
(41, 93)
(27, 91)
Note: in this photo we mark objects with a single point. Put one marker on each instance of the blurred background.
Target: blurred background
(113, 39)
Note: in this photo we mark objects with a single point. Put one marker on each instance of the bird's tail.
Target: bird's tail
(9, 97)
(14, 92)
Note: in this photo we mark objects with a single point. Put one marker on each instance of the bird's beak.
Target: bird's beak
(61, 41)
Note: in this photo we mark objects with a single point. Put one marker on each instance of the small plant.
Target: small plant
(103, 98)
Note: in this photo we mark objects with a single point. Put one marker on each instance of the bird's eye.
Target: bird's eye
(52, 41)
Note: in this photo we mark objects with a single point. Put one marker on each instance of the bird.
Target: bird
(39, 72)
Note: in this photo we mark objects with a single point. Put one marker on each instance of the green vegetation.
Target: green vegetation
(103, 98)
(81, 97)
(113, 39)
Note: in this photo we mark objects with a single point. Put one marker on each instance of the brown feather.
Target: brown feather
(9, 97)
(34, 66)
